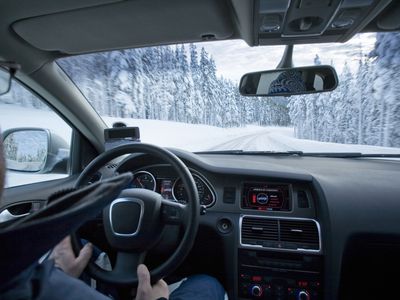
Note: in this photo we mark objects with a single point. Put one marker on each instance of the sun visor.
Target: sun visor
(128, 24)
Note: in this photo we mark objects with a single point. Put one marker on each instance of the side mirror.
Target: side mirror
(34, 150)
(291, 81)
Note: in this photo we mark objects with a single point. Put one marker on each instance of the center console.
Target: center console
(269, 275)
(280, 251)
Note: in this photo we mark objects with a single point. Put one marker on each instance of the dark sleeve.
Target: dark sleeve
(62, 286)
(45, 282)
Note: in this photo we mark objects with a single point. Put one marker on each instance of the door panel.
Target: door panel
(22, 200)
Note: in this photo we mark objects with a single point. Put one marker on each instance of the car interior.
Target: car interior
(266, 226)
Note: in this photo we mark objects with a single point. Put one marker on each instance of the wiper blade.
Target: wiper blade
(381, 155)
(347, 154)
(334, 154)
(242, 152)
(298, 153)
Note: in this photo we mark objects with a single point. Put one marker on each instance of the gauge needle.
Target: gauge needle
(138, 180)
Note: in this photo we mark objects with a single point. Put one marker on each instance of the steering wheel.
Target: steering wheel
(133, 222)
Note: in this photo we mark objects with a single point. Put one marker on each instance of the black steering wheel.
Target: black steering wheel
(133, 222)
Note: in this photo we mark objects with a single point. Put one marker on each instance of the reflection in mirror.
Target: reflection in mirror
(5, 81)
(26, 150)
(286, 82)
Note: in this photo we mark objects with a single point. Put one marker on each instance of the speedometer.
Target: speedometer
(206, 196)
(144, 180)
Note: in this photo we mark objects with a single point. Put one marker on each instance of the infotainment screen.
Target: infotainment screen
(266, 196)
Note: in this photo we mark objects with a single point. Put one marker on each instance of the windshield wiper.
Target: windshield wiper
(347, 154)
(242, 152)
(299, 153)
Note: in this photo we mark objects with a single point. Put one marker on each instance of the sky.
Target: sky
(235, 58)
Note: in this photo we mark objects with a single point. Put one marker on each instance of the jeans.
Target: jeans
(199, 287)
(196, 287)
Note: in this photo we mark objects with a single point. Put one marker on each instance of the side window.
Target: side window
(36, 140)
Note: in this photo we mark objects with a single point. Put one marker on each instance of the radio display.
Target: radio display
(266, 196)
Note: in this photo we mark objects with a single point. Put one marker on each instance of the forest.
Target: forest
(180, 83)
(176, 83)
(364, 109)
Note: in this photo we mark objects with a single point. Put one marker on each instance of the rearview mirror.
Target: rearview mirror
(287, 82)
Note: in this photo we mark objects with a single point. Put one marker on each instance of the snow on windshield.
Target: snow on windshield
(185, 96)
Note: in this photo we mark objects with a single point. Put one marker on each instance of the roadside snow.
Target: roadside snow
(192, 137)
(282, 139)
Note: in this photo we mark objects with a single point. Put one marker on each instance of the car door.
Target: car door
(42, 152)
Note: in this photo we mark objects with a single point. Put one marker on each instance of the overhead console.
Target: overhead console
(301, 21)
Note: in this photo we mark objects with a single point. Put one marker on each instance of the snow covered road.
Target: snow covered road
(260, 141)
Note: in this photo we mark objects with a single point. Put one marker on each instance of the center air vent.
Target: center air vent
(289, 234)
(257, 231)
(303, 234)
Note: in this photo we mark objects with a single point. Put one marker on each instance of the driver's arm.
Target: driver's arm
(65, 259)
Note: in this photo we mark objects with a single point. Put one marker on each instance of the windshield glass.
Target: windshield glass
(186, 96)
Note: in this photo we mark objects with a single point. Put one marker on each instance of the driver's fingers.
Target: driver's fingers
(84, 256)
(61, 247)
(144, 286)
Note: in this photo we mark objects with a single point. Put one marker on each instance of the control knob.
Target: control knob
(256, 290)
(303, 295)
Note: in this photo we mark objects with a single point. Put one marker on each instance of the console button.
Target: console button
(303, 295)
(256, 290)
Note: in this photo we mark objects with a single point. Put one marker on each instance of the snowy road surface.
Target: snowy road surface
(282, 139)
(261, 141)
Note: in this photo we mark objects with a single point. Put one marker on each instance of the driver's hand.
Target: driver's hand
(65, 259)
(147, 292)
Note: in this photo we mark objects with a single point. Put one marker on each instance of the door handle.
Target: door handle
(19, 210)
(6, 215)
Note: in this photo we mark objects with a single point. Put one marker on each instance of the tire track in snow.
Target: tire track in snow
(260, 141)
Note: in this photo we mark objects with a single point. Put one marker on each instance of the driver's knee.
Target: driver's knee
(198, 287)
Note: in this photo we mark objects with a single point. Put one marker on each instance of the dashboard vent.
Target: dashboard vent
(259, 231)
(303, 233)
(289, 234)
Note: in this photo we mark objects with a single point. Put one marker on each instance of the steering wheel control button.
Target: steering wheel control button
(171, 214)
(125, 216)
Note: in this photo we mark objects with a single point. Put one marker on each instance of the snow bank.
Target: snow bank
(192, 137)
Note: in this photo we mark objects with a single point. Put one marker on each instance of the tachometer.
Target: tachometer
(144, 180)
(205, 194)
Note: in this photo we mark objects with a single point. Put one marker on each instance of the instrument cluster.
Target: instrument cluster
(172, 187)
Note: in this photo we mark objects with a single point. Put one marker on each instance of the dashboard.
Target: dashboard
(284, 225)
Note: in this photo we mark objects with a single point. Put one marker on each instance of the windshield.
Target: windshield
(186, 96)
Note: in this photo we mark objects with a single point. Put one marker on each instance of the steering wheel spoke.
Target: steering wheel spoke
(173, 213)
(126, 264)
